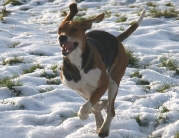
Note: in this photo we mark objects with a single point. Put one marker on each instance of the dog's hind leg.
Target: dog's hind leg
(102, 104)
(99, 119)
(116, 75)
(112, 92)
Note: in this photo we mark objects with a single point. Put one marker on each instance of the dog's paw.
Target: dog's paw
(83, 115)
(84, 111)
(103, 133)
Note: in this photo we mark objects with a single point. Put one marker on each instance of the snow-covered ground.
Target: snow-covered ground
(33, 102)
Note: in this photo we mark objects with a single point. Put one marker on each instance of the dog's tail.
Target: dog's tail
(131, 29)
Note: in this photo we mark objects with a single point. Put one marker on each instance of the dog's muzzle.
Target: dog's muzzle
(62, 39)
(67, 46)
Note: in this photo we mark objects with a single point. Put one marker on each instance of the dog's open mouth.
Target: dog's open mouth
(68, 47)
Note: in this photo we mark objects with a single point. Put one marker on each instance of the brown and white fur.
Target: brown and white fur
(87, 69)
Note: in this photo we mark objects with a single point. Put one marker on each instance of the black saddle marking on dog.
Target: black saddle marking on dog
(106, 44)
(70, 71)
(87, 58)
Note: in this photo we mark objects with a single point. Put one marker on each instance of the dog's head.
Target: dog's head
(72, 33)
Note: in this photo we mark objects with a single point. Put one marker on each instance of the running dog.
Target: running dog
(93, 63)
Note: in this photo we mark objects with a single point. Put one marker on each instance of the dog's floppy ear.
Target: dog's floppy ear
(88, 23)
(72, 13)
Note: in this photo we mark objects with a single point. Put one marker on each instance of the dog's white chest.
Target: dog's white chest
(87, 83)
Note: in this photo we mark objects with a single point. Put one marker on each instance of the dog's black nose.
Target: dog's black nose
(63, 38)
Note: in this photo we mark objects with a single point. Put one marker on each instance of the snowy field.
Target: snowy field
(33, 102)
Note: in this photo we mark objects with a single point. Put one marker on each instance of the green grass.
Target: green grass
(170, 13)
(164, 87)
(169, 4)
(151, 4)
(147, 88)
(37, 54)
(7, 102)
(143, 82)
(107, 14)
(78, 1)
(83, 9)
(133, 61)
(176, 135)
(121, 19)
(79, 18)
(117, 15)
(138, 120)
(22, 107)
(54, 68)
(46, 90)
(32, 69)
(136, 74)
(156, 12)
(132, 6)
(164, 109)
(63, 13)
(133, 22)
(122, 28)
(170, 64)
(51, 78)
(13, 2)
(162, 119)
(74, 114)
(24, 8)
(51, 0)
(53, 81)
(13, 45)
(9, 83)
(38, 2)
(167, 13)
(14, 60)
(48, 76)
(137, 12)
(4, 13)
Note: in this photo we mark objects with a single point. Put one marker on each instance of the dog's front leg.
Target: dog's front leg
(85, 109)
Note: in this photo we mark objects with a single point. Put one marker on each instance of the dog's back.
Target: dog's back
(106, 44)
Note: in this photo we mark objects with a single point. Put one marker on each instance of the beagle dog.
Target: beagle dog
(93, 63)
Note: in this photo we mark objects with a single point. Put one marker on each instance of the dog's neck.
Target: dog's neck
(82, 59)
(88, 57)
(75, 57)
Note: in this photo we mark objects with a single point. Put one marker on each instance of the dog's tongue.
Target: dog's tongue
(67, 47)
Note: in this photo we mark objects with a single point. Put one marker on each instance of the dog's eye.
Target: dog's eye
(73, 30)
